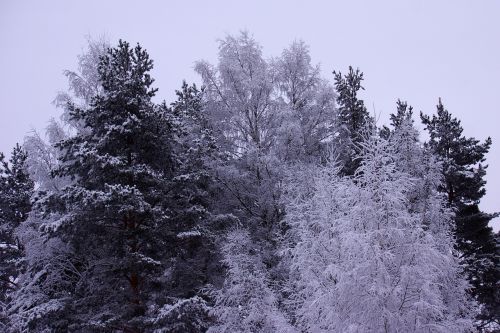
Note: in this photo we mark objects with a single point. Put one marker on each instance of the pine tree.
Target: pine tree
(122, 167)
(403, 112)
(130, 223)
(463, 184)
(462, 157)
(194, 265)
(353, 118)
(16, 189)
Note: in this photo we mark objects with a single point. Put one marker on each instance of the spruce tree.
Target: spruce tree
(352, 116)
(463, 173)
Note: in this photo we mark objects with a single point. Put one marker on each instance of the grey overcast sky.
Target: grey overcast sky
(413, 50)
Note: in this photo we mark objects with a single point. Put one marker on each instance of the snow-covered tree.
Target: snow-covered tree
(246, 303)
(42, 291)
(240, 93)
(193, 264)
(266, 114)
(83, 84)
(253, 204)
(309, 113)
(16, 188)
(245, 115)
(462, 157)
(353, 119)
(463, 172)
(414, 159)
(130, 217)
(364, 262)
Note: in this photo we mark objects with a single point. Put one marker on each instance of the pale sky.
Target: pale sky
(414, 50)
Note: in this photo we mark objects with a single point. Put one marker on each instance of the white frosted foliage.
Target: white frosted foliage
(364, 262)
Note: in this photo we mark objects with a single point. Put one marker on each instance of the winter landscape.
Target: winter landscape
(264, 196)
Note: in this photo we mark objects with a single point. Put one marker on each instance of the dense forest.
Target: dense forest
(266, 200)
